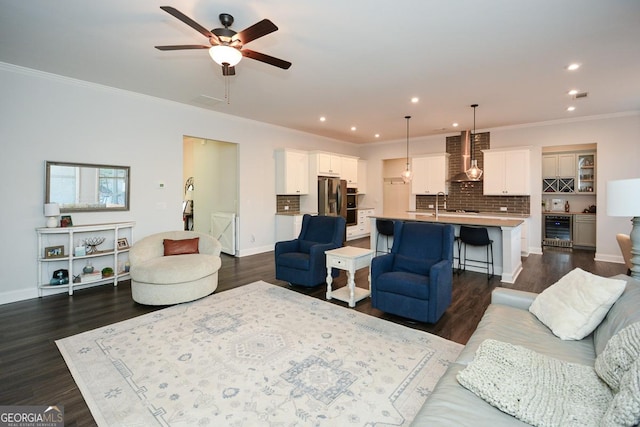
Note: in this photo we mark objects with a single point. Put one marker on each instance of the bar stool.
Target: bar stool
(385, 228)
(456, 241)
(476, 236)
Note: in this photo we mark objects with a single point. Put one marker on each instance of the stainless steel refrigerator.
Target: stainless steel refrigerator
(332, 197)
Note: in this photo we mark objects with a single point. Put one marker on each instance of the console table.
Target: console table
(56, 251)
(350, 259)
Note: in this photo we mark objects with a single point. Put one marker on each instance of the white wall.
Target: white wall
(46, 117)
(618, 154)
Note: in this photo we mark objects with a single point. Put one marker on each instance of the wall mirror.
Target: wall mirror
(81, 187)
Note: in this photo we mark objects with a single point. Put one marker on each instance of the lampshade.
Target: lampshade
(51, 209)
(222, 54)
(623, 197)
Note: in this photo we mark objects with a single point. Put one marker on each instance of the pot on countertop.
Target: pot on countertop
(590, 209)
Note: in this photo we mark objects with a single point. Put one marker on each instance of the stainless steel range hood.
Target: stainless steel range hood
(465, 154)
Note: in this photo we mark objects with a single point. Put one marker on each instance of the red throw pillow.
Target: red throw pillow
(181, 247)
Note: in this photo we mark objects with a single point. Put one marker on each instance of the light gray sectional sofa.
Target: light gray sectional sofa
(508, 319)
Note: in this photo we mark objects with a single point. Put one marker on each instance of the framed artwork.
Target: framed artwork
(123, 243)
(54, 252)
(65, 221)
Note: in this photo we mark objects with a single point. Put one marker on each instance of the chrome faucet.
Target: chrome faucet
(437, 202)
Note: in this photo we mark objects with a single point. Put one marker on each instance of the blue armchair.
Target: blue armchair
(302, 261)
(415, 279)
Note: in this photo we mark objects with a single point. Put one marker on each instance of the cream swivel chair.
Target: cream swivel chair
(164, 273)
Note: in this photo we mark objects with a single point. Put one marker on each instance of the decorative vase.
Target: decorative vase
(87, 269)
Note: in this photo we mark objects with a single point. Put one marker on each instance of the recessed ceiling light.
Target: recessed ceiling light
(323, 119)
(573, 67)
(353, 128)
(571, 108)
(455, 125)
(573, 92)
(377, 135)
(415, 99)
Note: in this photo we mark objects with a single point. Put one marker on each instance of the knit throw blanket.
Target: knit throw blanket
(534, 388)
(544, 391)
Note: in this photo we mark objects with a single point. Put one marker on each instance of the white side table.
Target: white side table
(350, 259)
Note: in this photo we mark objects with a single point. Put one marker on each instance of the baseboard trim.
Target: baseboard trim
(18, 295)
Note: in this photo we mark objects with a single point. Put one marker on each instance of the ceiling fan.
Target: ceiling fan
(226, 46)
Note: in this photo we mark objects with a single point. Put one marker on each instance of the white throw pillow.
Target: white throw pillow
(576, 304)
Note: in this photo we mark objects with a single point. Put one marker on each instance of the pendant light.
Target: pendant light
(474, 172)
(407, 175)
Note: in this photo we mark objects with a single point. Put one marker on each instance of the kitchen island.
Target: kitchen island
(505, 233)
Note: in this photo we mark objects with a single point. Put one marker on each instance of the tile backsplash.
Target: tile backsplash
(292, 201)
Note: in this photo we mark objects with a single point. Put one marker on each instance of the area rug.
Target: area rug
(257, 355)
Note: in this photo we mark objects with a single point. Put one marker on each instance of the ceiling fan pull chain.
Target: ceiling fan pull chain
(226, 89)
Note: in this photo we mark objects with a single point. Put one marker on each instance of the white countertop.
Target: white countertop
(456, 219)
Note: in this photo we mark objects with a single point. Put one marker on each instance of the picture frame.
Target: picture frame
(123, 243)
(65, 221)
(54, 252)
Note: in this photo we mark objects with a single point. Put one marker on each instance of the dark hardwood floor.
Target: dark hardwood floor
(32, 371)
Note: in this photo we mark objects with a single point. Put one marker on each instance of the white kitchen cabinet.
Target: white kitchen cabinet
(362, 176)
(329, 164)
(430, 174)
(363, 227)
(64, 248)
(292, 172)
(584, 231)
(559, 165)
(558, 173)
(349, 171)
(288, 227)
(506, 172)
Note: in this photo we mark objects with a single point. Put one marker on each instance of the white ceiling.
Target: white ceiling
(357, 62)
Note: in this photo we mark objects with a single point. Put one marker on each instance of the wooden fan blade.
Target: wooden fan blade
(190, 22)
(228, 71)
(266, 59)
(182, 47)
(256, 31)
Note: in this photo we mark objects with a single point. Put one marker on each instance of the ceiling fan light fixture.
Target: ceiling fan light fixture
(222, 54)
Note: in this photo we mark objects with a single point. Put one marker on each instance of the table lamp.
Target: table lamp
(623, 199)
(52, 211)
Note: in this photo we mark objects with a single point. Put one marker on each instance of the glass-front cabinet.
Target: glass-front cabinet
(586, 173)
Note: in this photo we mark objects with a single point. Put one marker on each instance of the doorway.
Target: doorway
(396, 193)
(210, 179)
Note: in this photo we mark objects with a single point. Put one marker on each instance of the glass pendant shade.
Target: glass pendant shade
(406, 175)
(474, 172)
(222, 54)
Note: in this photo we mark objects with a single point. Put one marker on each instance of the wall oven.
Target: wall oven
(558, 230)
(352, 206)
